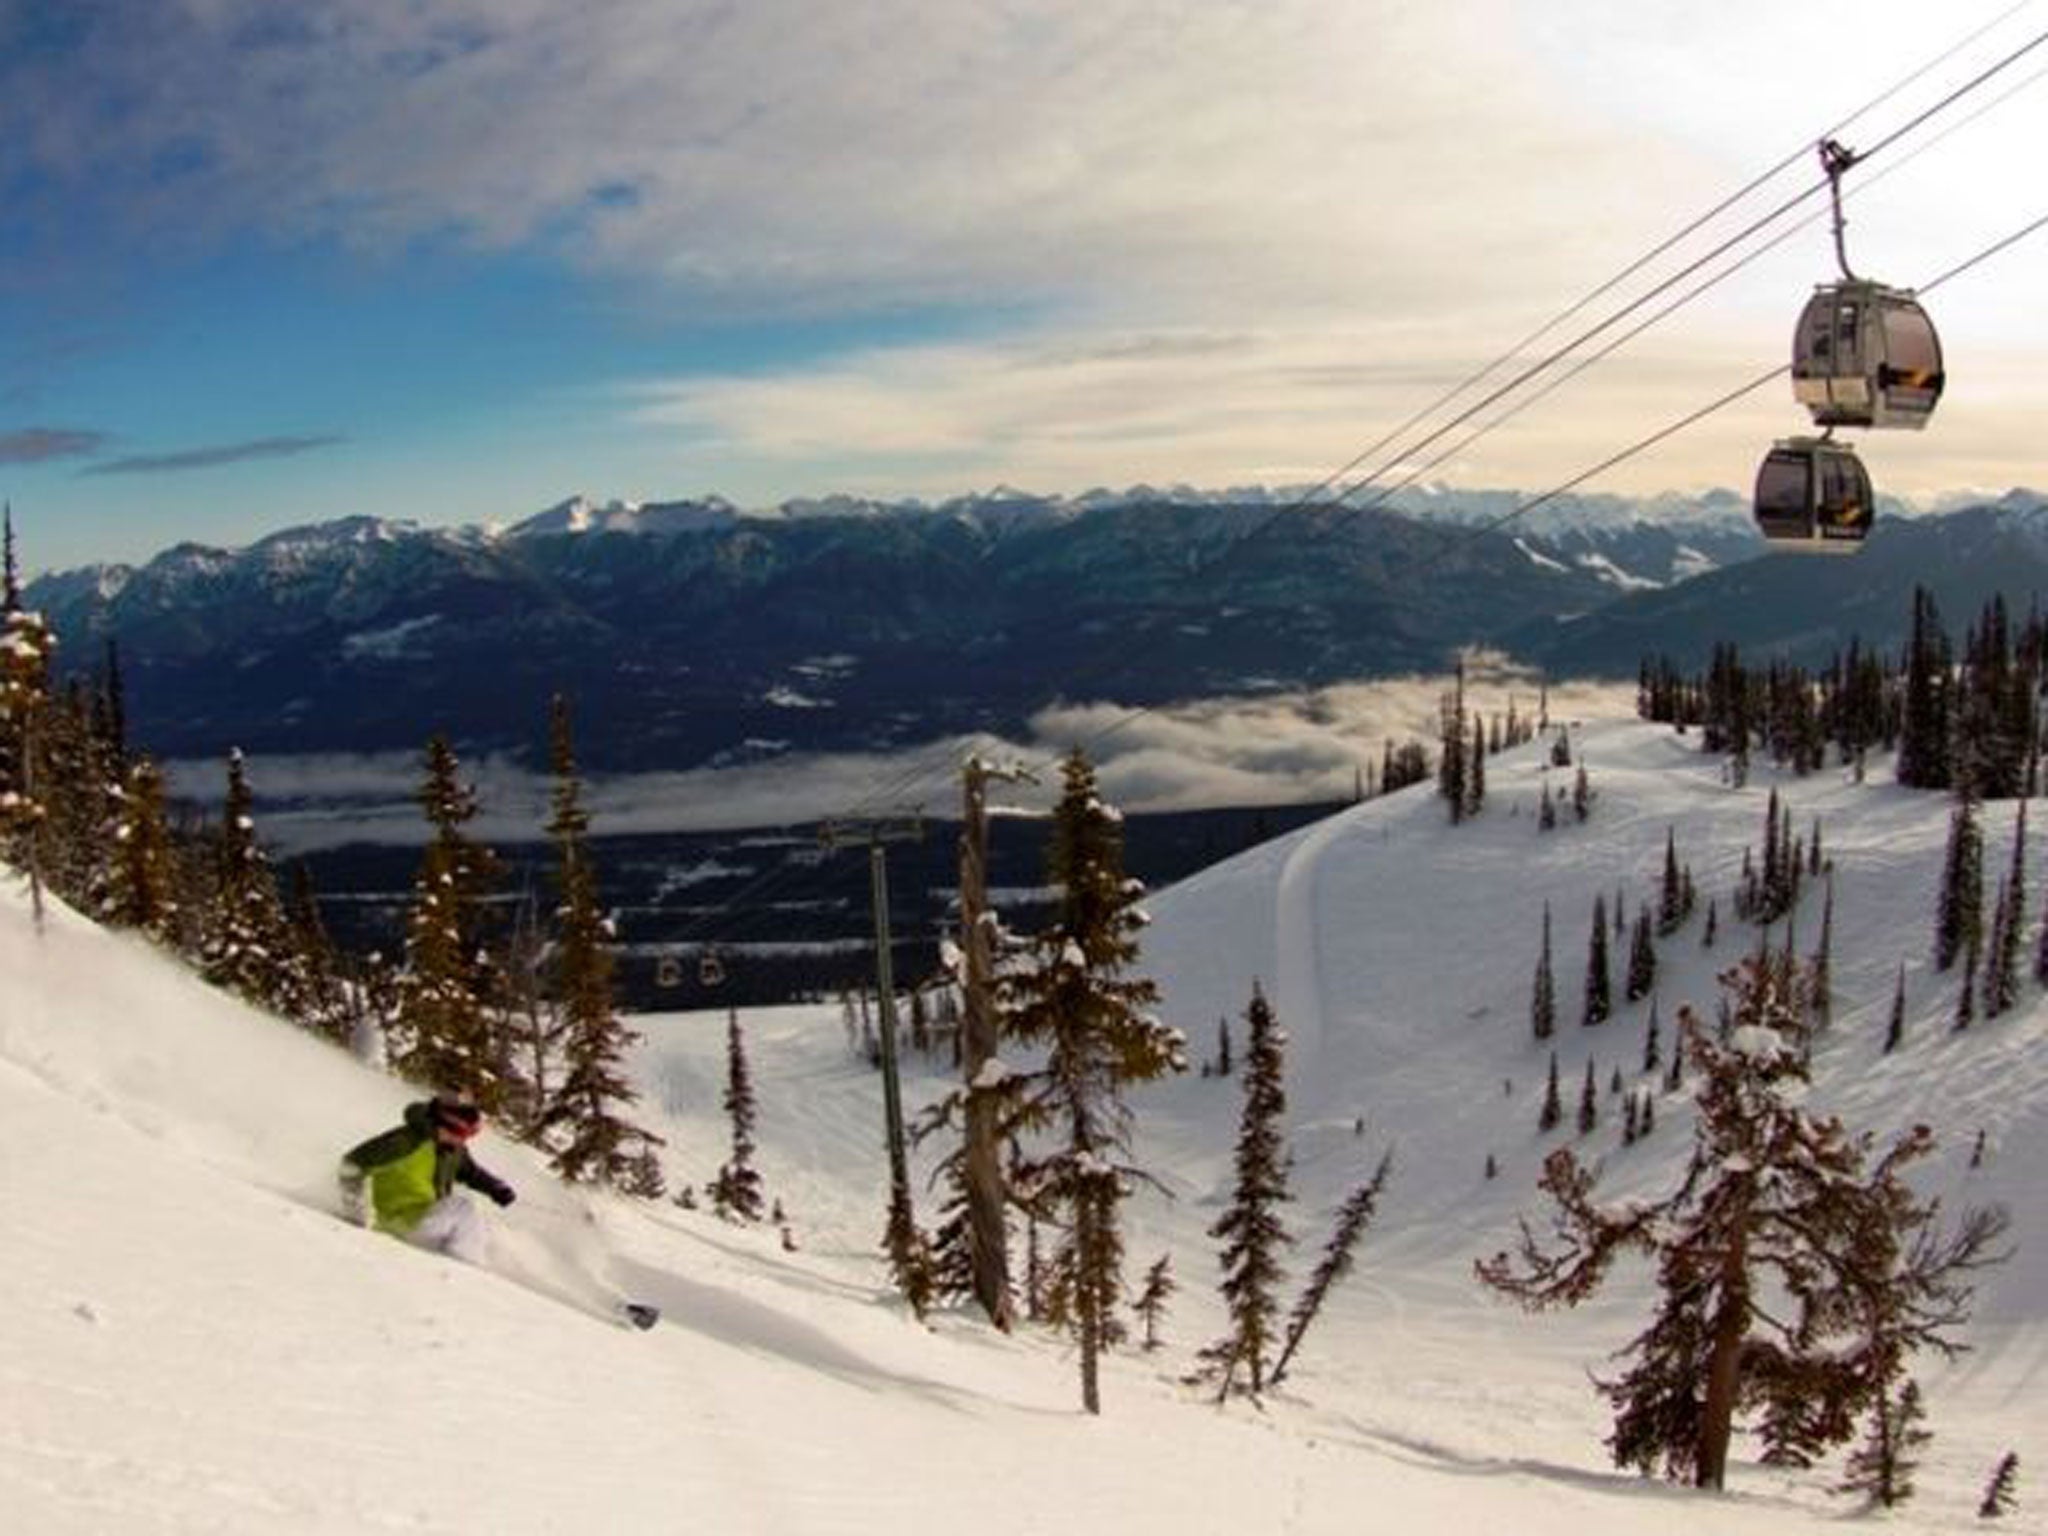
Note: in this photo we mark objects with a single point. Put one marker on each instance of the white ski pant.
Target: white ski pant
(453, 1225)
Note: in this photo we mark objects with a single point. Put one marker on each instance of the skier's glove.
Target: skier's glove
(355, 1203)
(504, 1194)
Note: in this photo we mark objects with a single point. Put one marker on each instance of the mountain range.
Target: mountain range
(692, 632)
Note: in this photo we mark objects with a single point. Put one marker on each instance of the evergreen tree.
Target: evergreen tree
(1546, 810)
(1642, 959)
(1251, 1231)
(1589, 1103)
(1960, 909)
(1543, 992)
(26, 650)
(1998, 1493)
(1881, 1469)
(581, 1120)
(1475, 769)
(1966, 994)
(143, 893)
(1582, 794)
(1653, 1056)
(1796, 1276)
(1151, 1303)
(1353, 1217)
(1896, 1030)
(1224, 1065)
(1074, 997)
(736, 1192)
(1453, 765)
(1553, 1102)
(318, 996)
(1924, 736)
(1599, 999)
(1820, 988)
(1713, 923)
(2002, 976)
(446, 1037)
(1671, 905)
(245, 948)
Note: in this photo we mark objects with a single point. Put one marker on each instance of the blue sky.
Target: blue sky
(453, 260)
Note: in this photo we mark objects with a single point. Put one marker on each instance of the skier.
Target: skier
(411, 1172)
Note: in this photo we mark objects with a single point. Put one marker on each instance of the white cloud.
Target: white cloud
(1197, 240)
(1273, 750)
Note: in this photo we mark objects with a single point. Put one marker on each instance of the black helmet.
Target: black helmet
(455, 1112)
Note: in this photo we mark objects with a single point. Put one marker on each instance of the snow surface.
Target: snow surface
(191, 1342)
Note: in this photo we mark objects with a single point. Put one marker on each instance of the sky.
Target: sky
(271, 263)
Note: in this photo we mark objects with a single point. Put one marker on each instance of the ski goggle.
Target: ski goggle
(458, 1124)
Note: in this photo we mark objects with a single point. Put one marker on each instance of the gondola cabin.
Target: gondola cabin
(1814, 495)
(1865, 355)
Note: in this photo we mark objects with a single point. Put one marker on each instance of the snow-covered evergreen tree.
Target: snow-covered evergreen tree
(2002, 972)
(1797, 1275)
(1076, 998)
(1251, 1230)
(143, 890)
(736, 1192)
(582, 1121)
(1959, 911)
(317, 992)
(1553, 1101)
(446, 1038)
(1642, 959)
(1151, 1302)
(1475, 769)
(1599, 1001)
(1881, 1469)
(1454, 761)
(27, 648)
(1671, 902)
(1999, 1498)
(245, 947)
(1543, 991)
(1353, 1217)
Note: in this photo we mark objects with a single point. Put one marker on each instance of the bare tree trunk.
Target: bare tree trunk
(1724, 1366)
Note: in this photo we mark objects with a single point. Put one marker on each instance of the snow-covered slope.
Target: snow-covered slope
(189, 1341)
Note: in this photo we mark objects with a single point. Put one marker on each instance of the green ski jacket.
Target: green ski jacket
(408, 1169)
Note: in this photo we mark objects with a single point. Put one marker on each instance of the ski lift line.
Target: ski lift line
(1557, 355)
(1693, 418)
(1986, 254)
(1629, 335)
(1662, 247)
(720, 924)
